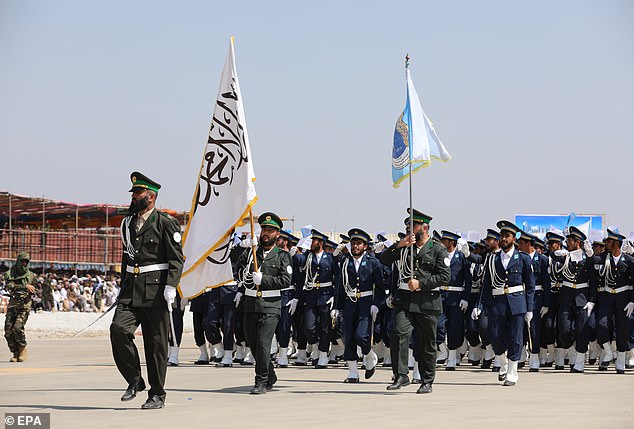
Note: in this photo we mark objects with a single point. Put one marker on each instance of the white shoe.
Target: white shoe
(274, 347)
(203, 359)
(370, 360)
(572, 355)
(416, 375)
(322, 361)
(314, 354)
(387, 357)
(580, 359)
(227, 359)
(172, 360)
(462, 350)
(452, 360)
(353, 372)
(630, 359)
(551, 354)
(240, 353)
(475, 354)
(533, 362)
(411, 362)
(524, 355)
(217, 352)
(301, 359)
(620, 362)
(442, 352)
(488, 352)
(248, 357)
(282, 357)
(511, 375)
(543, 355)
(608, 356)
(504, 366)
(560, 355)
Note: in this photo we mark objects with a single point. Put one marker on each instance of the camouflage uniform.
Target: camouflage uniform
(17, 279)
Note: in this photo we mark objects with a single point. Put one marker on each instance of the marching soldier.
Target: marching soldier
(472, 334)
(262, 301)
(616, 299)
(417, 300)
(20, 283)
(317, 296)
(542, 289)
(577, 296)
(283, 331)
(550, 308)
(150, 271)
(507, 293)
(480, 313)
(457, 293)
(360, 292)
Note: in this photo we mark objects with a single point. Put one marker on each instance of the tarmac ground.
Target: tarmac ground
(76, 381)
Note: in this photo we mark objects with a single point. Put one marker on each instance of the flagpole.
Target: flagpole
(255, 259)
(411, 208)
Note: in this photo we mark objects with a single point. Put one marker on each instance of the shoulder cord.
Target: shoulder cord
(125, 237)
(309, 280)
(496, 280)
(610, 278)
(352, 293)
(247, 275)
(405, 272)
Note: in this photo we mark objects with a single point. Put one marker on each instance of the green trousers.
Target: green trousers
(258, 331)
(14, 327)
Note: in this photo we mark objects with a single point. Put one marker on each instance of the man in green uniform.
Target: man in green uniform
(417, 301)
(20, 283)
(262, 303)
(150, 271)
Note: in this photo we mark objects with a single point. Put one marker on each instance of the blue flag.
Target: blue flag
(415, 139)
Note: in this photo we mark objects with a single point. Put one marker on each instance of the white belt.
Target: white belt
(475, 290)
(538, 287)
(310, 286)
(609, 289)
(507, 290)
(404, 286)
(262, 293)
(452, 288)
(287, 289)
(576, 285)
(362, 294)
(147, 268)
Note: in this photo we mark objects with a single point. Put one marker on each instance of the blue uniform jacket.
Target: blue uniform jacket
(460, 277)
(324, 272)
(577, 272)
(542, 278)
(368, 278)
(517, 272)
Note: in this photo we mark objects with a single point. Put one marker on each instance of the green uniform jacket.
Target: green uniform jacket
(276, 271)
(16, 286)
(157, 242)
(431, 269)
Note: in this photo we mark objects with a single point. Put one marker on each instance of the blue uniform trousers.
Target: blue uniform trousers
(357, 327)
(283, 330)
(506, 334)
(316, 324)
(610, 315)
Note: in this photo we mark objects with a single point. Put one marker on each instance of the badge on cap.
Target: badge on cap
(177, 237)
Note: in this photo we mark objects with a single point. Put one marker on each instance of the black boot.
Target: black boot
(154, 402)
(399, 381)
(133, 389)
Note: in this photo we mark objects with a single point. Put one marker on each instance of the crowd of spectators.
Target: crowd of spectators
(65, 291)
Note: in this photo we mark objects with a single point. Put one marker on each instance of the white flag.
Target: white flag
(224, 194)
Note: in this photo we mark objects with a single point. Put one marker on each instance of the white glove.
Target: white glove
(237, 299)
(561, 252)
(293, 251)
(374, 310)
(389, 301)
(588, 307)
(629, 309)
(528, 317)
(379, 247)
(257, 278)
(338, 249)
(331, 302)
(543, 311)
(463, 305)
(587, 247)
(292, 306)
(388, 243)
(476, 313)
(246, 243)
(334, 314)
(170, 295)
(464, 249)
(627, 247)
(184, 303)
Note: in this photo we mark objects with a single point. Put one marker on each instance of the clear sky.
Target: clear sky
(534, 100)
